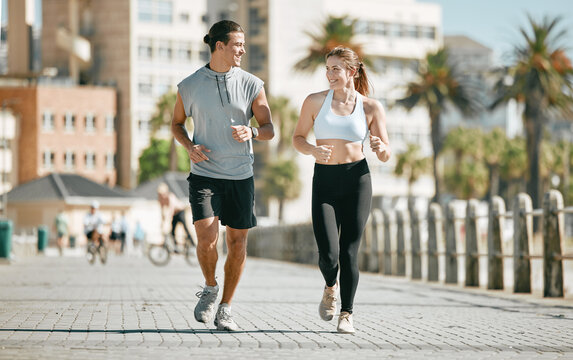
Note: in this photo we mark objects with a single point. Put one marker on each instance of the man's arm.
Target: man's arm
(262, 113)
(196, 152)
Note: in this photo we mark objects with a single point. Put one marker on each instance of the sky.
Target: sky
(496, 23)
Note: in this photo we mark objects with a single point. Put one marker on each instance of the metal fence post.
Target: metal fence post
(522, 235)
(552, 238)
(495, 226)
(451, 253)
(472, 259)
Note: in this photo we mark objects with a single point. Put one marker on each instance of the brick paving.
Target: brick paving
(63, 308)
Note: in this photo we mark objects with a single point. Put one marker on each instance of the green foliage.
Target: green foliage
(438, 84)
(412, 164)
(154, 160)
(284, 118)
(468, 179)
(541, 78)
(335, 31)
(281, 180)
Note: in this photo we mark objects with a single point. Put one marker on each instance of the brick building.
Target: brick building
(65, 130)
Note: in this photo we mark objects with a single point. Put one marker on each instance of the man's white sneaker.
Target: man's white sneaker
(205, 308)
(345, 324)
(223, 319)
(327, 307)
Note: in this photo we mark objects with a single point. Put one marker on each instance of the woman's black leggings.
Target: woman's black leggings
(341, 200)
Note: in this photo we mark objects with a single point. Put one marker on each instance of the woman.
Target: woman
(341, 117)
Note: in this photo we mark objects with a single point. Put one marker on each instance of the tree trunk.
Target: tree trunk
(493, 181)
(534, 133)
(437, 147)
(172, 156)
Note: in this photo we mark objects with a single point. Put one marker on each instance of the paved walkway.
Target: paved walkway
(63, 308)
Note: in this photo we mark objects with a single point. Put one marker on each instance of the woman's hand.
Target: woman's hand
(322, 153)
(377, 145)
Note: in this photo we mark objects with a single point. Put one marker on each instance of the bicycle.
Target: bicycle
(93, 250)
(160, 254)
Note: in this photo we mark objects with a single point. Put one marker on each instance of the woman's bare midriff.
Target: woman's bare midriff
(343, 151)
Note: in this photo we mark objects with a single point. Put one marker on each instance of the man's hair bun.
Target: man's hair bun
(206, 39)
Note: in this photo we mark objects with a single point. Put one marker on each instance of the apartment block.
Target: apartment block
(63, 130)
(142, 48)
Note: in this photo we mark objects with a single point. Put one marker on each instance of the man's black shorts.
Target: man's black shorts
(233, 201)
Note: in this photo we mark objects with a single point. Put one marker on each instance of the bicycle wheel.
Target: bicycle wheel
(103, 254)
(190, 254)
(159, 255)
(91, 254)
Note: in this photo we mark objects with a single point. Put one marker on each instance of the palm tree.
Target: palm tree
(412, 165)
(512, 167)
(335, 31)
(438, 84)
(162, 117)
(281, 181)
(541, 79)
(285, 118)
(493, 147)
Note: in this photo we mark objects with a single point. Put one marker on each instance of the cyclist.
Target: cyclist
(93, 224)
(172, 209)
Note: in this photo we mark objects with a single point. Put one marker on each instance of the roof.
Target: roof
(176, 181)
(63, 187)
(464, 42)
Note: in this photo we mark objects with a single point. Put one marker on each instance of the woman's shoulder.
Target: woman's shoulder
(317, 97)
(371, 105)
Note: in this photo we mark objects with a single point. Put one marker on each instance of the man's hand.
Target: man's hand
(242, 133)
(197, 153)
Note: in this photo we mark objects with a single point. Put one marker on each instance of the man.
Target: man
(172, 209)
(93, 223)
(221, 98)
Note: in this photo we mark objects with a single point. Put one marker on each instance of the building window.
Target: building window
(361, 27)
(428, 32)
(69, 122)
(257, 58)
(255, 21)
(145, 85)
(48, 121)
(164, 11)
(48, 160)
(164, 52)
(69, 160)
(90, 123)
(160, 11)
(90, 160)
(145, 10)
(145, 49)
(109, 123)
(204, 55)
(109, 161)
(184, 52)
(184, 17)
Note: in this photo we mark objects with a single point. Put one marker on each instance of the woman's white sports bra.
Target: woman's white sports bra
(353, 127)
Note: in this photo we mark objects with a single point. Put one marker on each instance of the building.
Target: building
(62, 129)
(474, 62)
(143, 48)
(395, 34)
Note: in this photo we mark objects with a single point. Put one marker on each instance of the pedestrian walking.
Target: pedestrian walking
(221, 98)
(61, 226)
(343, 118)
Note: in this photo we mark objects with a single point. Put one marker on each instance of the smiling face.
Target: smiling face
(234, 49)
(338, 75)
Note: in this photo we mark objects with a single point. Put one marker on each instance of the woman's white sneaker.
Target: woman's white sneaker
(345, 324)
(327, 307)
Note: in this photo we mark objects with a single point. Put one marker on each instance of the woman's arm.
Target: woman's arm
(308, 112)
(379, 142)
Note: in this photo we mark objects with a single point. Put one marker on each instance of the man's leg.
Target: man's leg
(235, 263)
(207, 236)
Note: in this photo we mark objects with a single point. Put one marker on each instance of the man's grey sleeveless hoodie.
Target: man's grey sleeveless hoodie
(216, 101)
